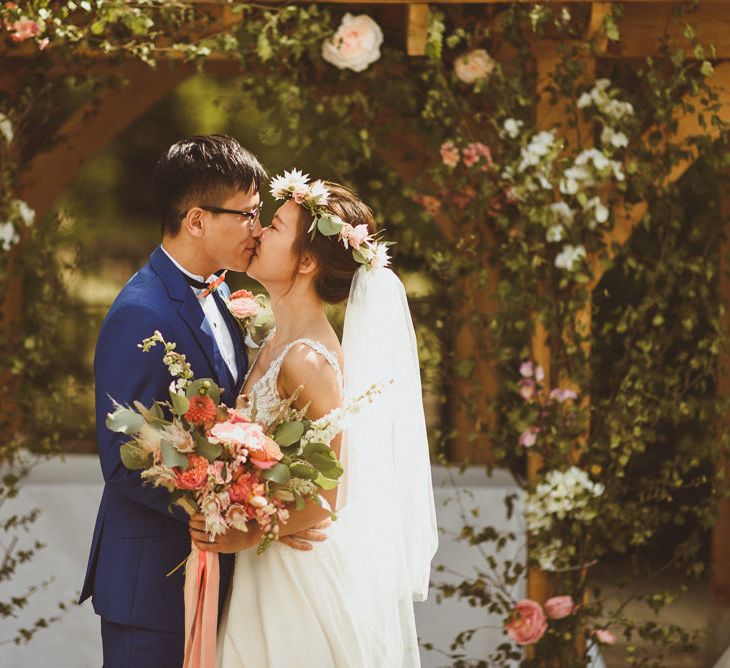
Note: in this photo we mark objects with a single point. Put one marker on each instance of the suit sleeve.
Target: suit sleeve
(124, 373)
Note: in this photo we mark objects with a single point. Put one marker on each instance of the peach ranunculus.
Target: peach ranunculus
(267, 456)
(475, 65)
(355, 45)
(247, 435)
(558, 607)
(243, 304)
(195, 476)
(528, 623)
(24, 29)
(245, 486)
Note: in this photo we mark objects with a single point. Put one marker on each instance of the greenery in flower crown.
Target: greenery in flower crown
(512, 226)
(314, 197)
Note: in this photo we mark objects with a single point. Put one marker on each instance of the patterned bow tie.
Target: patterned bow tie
(207, 288)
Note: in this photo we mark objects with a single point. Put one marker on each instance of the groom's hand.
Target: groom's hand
(304, 539)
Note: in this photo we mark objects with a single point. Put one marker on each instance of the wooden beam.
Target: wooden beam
(91, 128)
(417, 29)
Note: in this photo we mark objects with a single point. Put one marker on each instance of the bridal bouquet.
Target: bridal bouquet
(217, 461)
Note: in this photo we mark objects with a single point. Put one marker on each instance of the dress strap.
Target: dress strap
(318, 347)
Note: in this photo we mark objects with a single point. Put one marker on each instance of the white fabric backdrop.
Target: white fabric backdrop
(68, 493)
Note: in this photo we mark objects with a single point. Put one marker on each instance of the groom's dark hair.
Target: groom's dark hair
(202, 170)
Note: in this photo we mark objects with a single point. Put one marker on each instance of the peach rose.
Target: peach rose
(247, 435)
(195, 476)
(558, 607)
(475, 65)
(243, 304)
(268, 455)
(528, 623)
(355, 45)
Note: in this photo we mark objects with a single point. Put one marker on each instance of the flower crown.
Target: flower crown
(314, 197)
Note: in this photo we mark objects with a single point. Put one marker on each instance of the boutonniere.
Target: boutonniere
(251, 314)
(213, 285)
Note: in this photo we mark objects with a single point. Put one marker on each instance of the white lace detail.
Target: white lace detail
(264, 394)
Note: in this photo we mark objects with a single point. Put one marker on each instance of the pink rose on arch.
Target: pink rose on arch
(527, 388)
(604, 636)
(428, 202)
(559, 607)
(24, 29)
(528, 438)
(527, 369)
(248, 435)
(528, 623)
(475, 65)
(562, 395)
(449, 154)
(243, 304)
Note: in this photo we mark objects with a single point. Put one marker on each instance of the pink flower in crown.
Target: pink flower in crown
(24, 29)
(247, 435)
(528, 623)
(300, 194)
(243, 304)
(559, 607)
(357, 235)
(449, 154)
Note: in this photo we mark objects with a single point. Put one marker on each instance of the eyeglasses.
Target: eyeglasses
(251, 216)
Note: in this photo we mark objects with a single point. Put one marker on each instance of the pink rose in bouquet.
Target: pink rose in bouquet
(248, 435)
(268, 455)
(528, 623)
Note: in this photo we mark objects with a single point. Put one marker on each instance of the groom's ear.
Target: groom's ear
(308, 264)
(194, 221)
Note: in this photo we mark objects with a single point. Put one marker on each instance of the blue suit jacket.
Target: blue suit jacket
(137, 540)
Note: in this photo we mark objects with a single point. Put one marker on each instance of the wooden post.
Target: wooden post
(417, 29)
(719, 631)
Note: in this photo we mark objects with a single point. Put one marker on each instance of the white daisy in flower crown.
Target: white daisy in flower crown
(314, 196)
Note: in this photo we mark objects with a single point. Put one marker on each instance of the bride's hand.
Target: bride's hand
(229, 542)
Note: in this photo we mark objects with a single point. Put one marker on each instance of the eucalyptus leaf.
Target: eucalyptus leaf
(180, 403)
(305, 471)
(135, 457)
(203, 447)
(279, 474)
(289, 433)
(204, 386)
(124, 421)
(171, 457)
(329, 225)
(325, 483)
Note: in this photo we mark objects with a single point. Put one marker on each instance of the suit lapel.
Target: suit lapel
(190, 310)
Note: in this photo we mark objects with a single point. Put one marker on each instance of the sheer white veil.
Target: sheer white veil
(388, 520)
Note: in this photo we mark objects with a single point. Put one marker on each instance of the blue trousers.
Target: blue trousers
(132, 647)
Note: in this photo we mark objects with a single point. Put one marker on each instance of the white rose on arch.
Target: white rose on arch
(355, 45)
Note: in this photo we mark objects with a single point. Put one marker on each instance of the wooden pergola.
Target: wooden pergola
(644, 22)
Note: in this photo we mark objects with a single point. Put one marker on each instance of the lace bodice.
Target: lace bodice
(264, 393)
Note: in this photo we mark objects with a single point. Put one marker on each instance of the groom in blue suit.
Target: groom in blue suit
(208, 194)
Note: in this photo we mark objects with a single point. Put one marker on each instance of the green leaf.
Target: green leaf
(124, 421)
(135, 457)
(153, 415)
(312, 448)
(211, 451)
(288, 433)
(305, 471)
(203, 387)
(465, 368)
(329, 225)
(180, 403)
(612, 32)
(325, 483)
(279, 474)
(171, 457)
(298, 501)
(707, 69)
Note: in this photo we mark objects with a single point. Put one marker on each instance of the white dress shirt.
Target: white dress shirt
(221, 334)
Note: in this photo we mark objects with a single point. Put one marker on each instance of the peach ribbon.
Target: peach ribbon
(202, 576)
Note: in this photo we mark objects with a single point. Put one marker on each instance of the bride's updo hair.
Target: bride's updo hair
(335, 264)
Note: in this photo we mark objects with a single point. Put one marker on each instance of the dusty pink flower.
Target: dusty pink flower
(237, 517)
(561, 394)
(527, 388)
(24, 29)
(244, 434)
(539, 374)
(43, 43)
(528, 623)
(558, 607)
(604, 636)
(356, 235)
(268, 456)
(431, 204)
(299, 194)
(528, 438)
(449, 154)
(243, 304)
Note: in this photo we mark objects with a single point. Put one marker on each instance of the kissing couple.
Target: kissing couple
(327, 594)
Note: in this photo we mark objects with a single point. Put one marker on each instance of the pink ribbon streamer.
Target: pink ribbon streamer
(202, 577)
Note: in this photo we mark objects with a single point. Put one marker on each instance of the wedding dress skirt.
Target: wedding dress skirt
(289, 609)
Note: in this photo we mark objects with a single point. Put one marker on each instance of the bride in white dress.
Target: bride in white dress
(346, 603)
